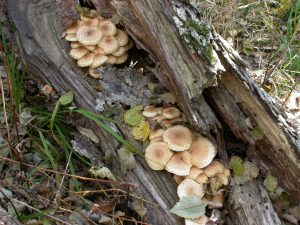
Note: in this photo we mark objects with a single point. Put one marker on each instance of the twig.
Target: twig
(4, 108)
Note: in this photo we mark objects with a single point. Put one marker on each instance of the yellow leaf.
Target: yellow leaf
(141, 131)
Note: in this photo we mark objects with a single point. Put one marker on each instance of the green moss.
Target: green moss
(197, 37)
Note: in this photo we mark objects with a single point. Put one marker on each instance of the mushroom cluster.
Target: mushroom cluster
(187, 155)
(96, 41)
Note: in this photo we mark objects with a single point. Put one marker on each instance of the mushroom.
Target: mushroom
(75, 44)
(90, 47)
(157, 155)
(171, 112)
(217, 201)
(156, 134)
(222, 178)
(121, 51)
(150, 111)
(214, 168)
(121, 59)
(200, 221)
(179, 164)
(89, 35)
(201, 179)
(107, 28)
(178, 179)
(71, 37)
(91, 23)
(202, 152)
(194, 173)
(99, 60)
(159, 118)
(109, 44)
(159, 139)
(93, 72)
(122, 37)
(78, 53)
(178, 138)
(129, 45)
(73, 26)
(190, 187)
(86, 60)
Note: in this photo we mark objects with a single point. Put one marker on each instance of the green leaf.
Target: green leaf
(258, 133)
(236, 163)
(66, 98)
(133, 116)
(189, 207)
(141, 131)
(54, 115)
(271, 183)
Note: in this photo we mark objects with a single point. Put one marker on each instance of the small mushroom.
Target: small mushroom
(222, 178)
(171, 112)
(159, 118)
(91, 23)
(129, 45)
(178, 179)
(190, 187)
(178, 138)
(78, 53)
(214, 168)
(94, 73)
(157, 155)
(179, 164)
(121, 51)
(99, 60)
(201, 179)
(90, 47)
(159, 139)
(89, 35)
(75, 44)
(156, 134)
(107, 28)
(121, 59)
(150, 111)
(71, 37)
(109, 44)
(194, 173)
(122, 38)
(74, 26)
(86, 60)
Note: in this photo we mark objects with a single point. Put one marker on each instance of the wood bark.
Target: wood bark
(186, 72)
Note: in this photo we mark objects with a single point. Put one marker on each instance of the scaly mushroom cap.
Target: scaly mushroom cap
(95, 14)
(150, 111)
(89, 35)
(71, 37)
(122, 37)
(107, 28)
(171, 112)
(202, 152)
(179, 164)
(121, 59)
(92, 23)
(109, 44)
(157, 155)
(159, 118)
(112, 59)
(178, 179)
(201, 179)
(167, 123)
(98, 50)
(86, 60)
(90, 47)
(159, 139)
(214, 168)
(200, 221)
(222, 178)
(194, 173)
(121, 51)
(74, 26)
(75, 44)
(178, 119)
(227, 172)
(190, 187)
(178, 138)
(94, 73)
(99, 60)
(129, 45)
(78, 53)
(155, 134)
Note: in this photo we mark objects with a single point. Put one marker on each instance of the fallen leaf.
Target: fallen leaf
(133, 116)
(89, 134)
(189, 207)
(141, 131)
(127, 159)
(103, 172)
(138, 206)
(258, 133)
(66, 98)
(271, 183)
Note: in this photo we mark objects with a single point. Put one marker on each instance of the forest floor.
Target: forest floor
(65, 188)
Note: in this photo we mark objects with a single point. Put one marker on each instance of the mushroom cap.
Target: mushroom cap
(75, 44)
(190, 187)
(112, 59)
(129, 45)
(157, 155)
(179, 164)
(177, 119)
(159, 118)
(200, 221)
(107, 28)
(97, 50)
(202, 152)
(167, 123)
(222, 178)
(121, 59)
(71, 37)
(159, 139)
(90, 47)
(217, 201)
(214, 168)
(99, 60)
(93, 72)
(91, 23)
(201, 179)
(194, 173)
(86, 60)
(178, 138)
(178, 179)
(171, 112)
(73, 26)
(109, 44)
(227, 172)
(156, 133)
(150, 111)
(121, 51)
(78, 53)
(89, 35)
(122, 37)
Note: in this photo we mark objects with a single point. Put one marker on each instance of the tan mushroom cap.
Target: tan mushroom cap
(178, 138)
(157, 155)
(99, 60)
(179, 164)
(122, 37)
(156, 133)
(201, 179)
(227, 172)
(112, 59)
(98, 50)
(86, 60)
(109, 44)
(159, 139)
(91, 23)
(107, 28)
(178, 179)
(222, 178)
(129, 45)
(75, 44)
(90, 47)
(217, 201)
(94, 73)
(194, 173)
(78, 53)
(202, 152)
(214, 168)
(89, 35)
(200, 221)
(74, 26)
(71, 37)
(150, 111)
(121, 51)
(159, 118)
(178, 119)
(121, 59)
(171, 112)
(190, 187)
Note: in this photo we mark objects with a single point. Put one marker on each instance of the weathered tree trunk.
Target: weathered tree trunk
(191, 59)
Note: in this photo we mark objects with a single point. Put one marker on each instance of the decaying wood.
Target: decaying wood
(155, 26)
(6, 219)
